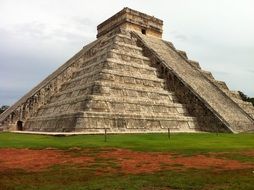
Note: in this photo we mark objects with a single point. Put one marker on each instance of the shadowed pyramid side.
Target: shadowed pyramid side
(213, 95)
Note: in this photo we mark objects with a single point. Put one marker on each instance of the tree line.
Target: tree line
(3, 108)
(246, 98)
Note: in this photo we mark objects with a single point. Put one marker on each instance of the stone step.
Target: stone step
(128, 57)
(235, 94)
(52, 117)
(208, 74)
(141, 100)
(121, 77)
(118, 38)
(123, 48)
(124, 39)
(100, 53)
(232, 95)
(120, 45)
(105, 87)
(99, 73)
(246, 106)
(131, 64)
(130, 106)
(61, 109)
(194, 64)
(79, 121)
(84, 79)
(64, 122)
(169, 44)
(129, 68)
(78, 89)
(89, 89)
(221, 84)
(243, 103)
(113, 64)
(107, 75)
(171, 116)
(113, 104)
(132, 78)
(182, 53)
(118, 75)
(67, 100)
(251, 113)
(99, 57)
(135, 121)
(96, 65)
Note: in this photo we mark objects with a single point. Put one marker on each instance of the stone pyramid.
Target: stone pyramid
(129, 80)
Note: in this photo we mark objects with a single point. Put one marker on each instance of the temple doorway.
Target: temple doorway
(20, 125)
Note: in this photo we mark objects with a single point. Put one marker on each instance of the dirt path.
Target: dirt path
(121, 160)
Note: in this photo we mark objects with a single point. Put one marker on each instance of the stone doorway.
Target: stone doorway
(20, 125)
(143, 31)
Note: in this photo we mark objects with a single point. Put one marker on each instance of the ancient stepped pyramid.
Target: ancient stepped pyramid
(130, 80)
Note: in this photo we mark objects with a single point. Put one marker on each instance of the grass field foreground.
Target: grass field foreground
(200, 161)
(182, 143)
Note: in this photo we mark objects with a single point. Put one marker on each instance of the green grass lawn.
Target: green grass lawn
(78, 179)
(182, 143)
(75, 177)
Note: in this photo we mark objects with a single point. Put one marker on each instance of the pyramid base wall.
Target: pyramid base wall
(63, 123)
(98, 122)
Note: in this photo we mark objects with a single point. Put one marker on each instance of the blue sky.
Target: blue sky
(36, 37)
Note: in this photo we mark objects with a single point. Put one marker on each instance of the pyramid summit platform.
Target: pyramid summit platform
(130, 80)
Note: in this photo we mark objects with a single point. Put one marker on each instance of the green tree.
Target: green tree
(3, 108)
(246, 98)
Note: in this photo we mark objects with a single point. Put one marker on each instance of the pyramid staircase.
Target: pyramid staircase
(235, 114)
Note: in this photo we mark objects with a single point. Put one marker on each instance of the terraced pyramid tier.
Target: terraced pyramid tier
(115, 88)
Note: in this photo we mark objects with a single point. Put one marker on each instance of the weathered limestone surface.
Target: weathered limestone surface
(129, 81)
(115, 88)
(210, 92)
(40, 94)
(132, 20)
(234, 95)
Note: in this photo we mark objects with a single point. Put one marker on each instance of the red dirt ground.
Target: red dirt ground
(143, 162)
(127, 161)
(36, 160)
(249, 153)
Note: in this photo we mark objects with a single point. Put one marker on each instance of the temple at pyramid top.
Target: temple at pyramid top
(132, 20)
